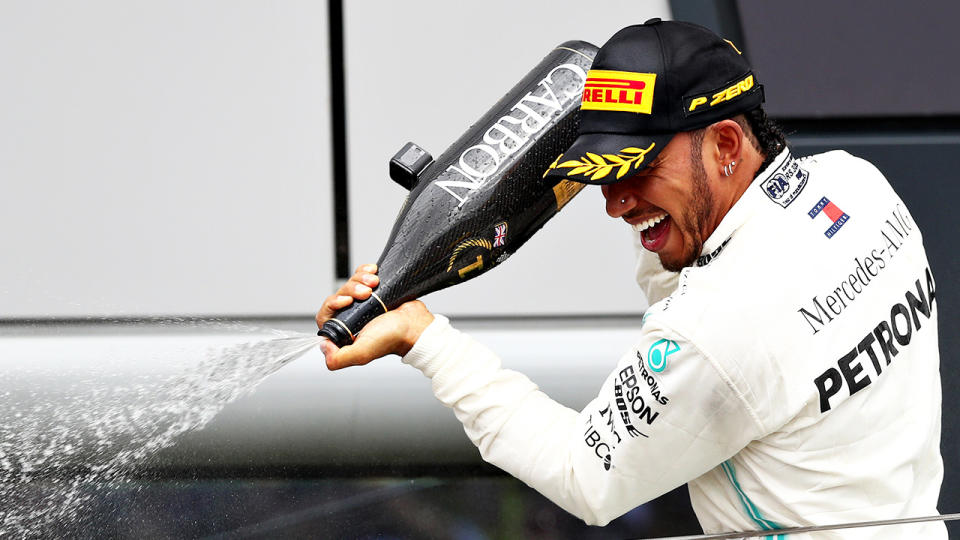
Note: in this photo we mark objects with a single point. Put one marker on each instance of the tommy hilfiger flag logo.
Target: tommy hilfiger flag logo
(499, 234)
(836, 215)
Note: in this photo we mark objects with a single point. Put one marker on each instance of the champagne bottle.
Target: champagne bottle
(484, 196)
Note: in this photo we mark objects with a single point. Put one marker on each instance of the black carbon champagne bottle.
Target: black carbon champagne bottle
(484, 197)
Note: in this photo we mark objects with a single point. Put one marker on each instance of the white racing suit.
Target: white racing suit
(792, 378)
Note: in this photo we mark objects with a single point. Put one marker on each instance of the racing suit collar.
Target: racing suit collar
(742, 210)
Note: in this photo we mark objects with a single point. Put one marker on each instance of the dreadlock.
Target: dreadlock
(763, 133)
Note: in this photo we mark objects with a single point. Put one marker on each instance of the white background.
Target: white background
(174, 157)
(164, 158)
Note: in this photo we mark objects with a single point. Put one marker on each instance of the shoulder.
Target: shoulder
(731, 315)
(655, 282)
(839, 162)
(675, 372)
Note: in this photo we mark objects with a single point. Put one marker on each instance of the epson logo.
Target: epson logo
(511, 132)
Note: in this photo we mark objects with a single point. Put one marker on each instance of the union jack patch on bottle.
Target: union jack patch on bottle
(499, 234)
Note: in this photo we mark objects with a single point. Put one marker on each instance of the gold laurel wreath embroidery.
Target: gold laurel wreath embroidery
(473, 242)
(597, 167)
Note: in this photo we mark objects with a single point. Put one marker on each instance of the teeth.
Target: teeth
(642, 226)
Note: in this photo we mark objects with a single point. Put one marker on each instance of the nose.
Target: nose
(619, 199)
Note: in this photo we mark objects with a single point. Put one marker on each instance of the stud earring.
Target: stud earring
(623, 201)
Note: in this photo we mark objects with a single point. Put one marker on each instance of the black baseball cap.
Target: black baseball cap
(647, 83)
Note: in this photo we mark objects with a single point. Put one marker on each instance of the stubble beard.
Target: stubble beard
(698, 209)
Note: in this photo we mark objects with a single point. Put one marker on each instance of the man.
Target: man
(790, 377)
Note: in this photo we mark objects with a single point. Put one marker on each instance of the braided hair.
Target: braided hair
(763, 133)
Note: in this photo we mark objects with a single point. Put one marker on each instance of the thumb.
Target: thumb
(359, 353)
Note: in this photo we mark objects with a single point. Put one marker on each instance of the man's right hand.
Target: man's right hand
(394, 332)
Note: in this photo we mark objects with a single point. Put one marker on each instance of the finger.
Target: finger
(361, 282)
(360, 291)
(366, 269)
(362, 278)
(366, 274)
(370, 280)
(329, 350)
(332, 359)
(331, 305)
(355, 355)
(338, 358)
(354, 288)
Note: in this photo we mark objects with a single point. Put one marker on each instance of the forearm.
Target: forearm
(514, 425)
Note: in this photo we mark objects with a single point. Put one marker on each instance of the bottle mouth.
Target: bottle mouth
(337, 332)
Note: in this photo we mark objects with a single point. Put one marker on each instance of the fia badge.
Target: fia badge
(786, 183)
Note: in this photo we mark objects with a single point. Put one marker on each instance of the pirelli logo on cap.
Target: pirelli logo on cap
(607, 90)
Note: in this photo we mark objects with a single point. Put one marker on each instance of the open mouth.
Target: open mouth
(653, 232)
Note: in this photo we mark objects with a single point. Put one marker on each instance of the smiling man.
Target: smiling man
(790, 376)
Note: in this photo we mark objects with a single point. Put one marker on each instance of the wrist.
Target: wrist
(418, 319)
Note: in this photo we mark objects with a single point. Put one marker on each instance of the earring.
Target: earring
(728, 168)
(623, 201)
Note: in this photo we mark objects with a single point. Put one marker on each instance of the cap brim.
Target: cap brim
(606, 158)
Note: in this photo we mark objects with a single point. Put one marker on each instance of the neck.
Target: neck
(729, 190)
(752, 162)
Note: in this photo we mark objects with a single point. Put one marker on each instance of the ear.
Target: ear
(726, 143)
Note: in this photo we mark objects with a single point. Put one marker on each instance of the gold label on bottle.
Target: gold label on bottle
(565, 190)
